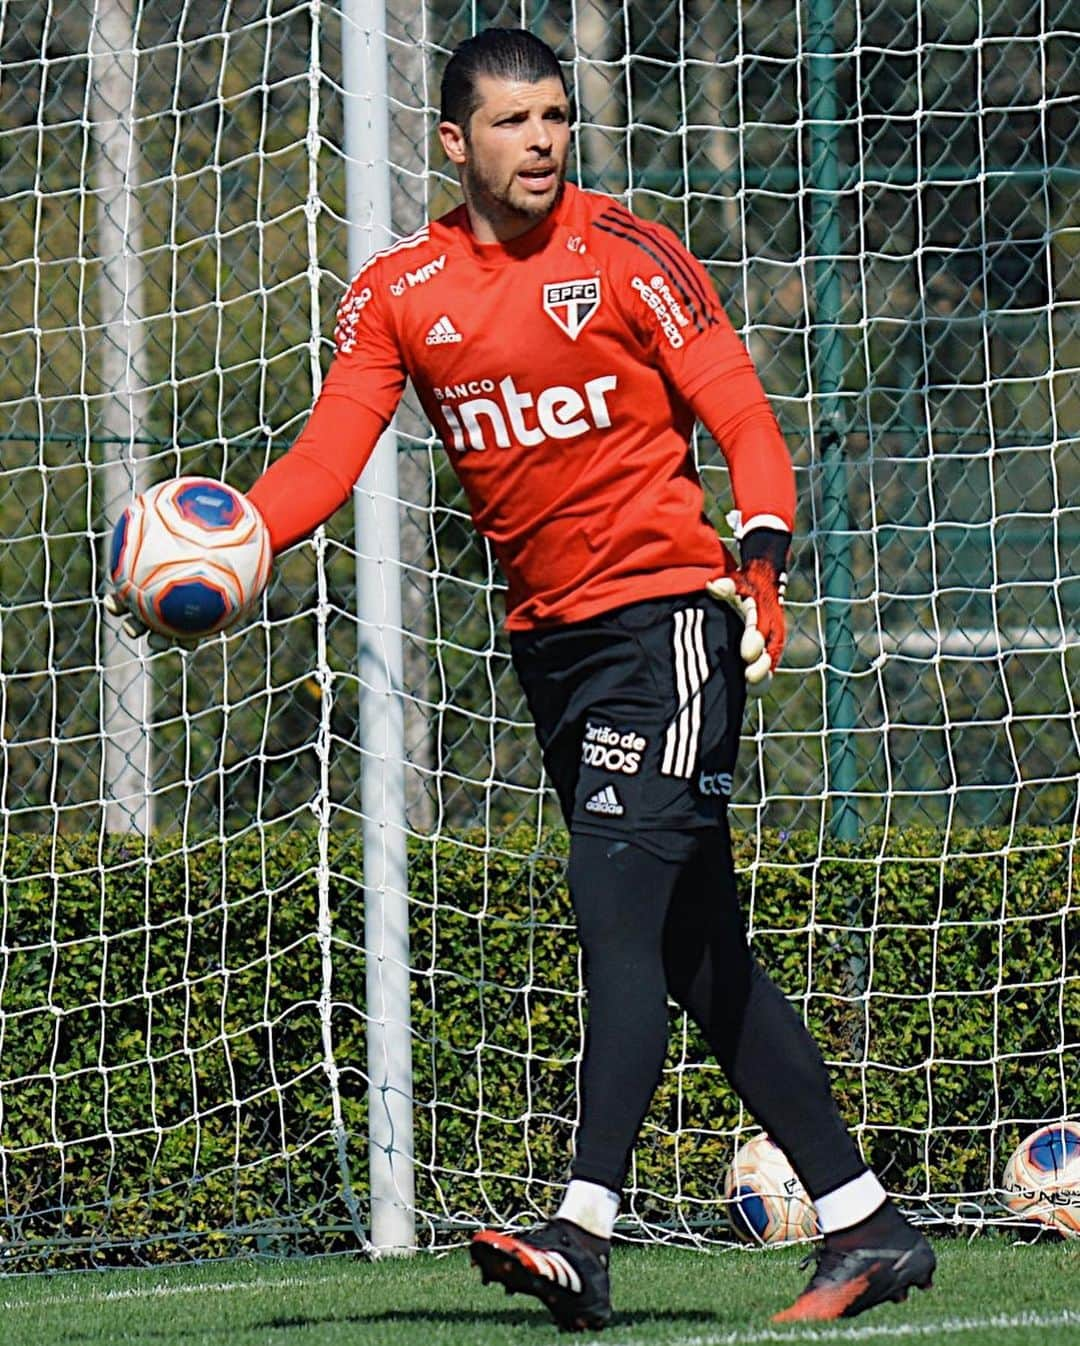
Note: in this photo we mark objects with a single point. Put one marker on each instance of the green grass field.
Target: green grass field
(988, 1291)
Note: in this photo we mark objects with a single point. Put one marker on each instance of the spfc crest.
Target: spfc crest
(572, 303)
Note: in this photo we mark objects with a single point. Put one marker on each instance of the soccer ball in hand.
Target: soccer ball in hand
(1042, 1178)
(768, 1202)
(189, 557)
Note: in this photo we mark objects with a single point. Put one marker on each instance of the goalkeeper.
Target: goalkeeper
(563, 349)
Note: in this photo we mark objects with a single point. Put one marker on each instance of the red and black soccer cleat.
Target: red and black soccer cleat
(847, 1282)
(560, 1264)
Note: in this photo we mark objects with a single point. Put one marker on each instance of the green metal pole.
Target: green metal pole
(830, 422)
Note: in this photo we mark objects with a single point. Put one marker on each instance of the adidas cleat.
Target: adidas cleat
(845, 1283)
(560, 1264)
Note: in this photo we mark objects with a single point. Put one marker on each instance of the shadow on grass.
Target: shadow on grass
(524, 1316)
(536, 1318)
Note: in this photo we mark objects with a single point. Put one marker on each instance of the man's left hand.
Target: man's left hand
(135, 628)
(756, 592)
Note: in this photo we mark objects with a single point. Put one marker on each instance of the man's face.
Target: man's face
(512, 155)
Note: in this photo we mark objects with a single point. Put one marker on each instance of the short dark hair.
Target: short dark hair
(502, 53)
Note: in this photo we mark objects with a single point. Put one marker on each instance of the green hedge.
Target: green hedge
(161, 1053)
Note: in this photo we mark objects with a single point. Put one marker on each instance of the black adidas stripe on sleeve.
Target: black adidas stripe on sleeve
(692, 290)
(670, 249)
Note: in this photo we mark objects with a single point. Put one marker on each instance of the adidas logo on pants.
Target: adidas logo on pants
(605, 801)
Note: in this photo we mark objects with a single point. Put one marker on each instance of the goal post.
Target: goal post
(318, 987)
(381, 671)
(125, 687)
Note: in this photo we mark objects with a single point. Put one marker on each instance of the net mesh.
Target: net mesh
(886, 198)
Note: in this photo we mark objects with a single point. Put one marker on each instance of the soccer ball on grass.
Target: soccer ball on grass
(1042, 1178)
(189, 557)
(768, 1203)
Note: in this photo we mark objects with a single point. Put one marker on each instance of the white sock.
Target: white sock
(591, 1206)
(847, 1205)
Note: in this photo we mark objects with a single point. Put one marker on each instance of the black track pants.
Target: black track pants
(651, 927)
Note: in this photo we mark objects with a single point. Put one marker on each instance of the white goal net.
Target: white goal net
(197, 1040)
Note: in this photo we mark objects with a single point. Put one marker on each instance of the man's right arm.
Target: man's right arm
(359, 396)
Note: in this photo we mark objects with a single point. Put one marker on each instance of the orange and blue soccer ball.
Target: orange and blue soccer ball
(1042, 1178)
(767, 1202)
(190, 557)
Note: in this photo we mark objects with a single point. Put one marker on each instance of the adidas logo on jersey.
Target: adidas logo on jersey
(442, 333)
(605, 801)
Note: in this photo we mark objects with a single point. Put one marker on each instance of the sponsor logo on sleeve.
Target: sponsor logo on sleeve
(715, 783)
(667, 310)
(660, 286)
(613, 749)
(348, 319)
(571, 303)
(420, 276)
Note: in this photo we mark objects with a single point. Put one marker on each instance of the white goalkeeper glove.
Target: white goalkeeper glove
(756, 592)
(136, 628)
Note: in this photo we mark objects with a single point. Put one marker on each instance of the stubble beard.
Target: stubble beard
(497, 206)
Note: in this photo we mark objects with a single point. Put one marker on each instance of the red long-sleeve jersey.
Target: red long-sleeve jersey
(563, 371)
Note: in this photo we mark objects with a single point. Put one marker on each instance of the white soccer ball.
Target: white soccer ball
(190, 557)
(768, 1203)
(1042, 1178)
